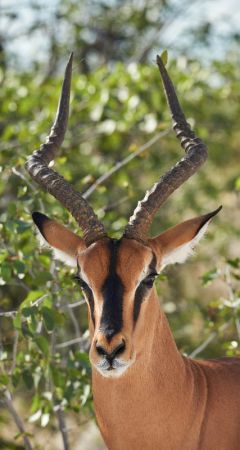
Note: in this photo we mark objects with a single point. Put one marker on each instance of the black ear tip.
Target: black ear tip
(216, 211)
(211, 214)
(39, 219)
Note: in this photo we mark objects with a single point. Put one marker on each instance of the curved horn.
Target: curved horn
(55, 184)
(196, 155)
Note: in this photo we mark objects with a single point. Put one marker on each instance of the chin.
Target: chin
(118, 368)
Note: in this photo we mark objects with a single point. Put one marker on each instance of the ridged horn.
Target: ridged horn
(37, 166)
(196, 154)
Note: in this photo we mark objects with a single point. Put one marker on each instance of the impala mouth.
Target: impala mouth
(114, 368)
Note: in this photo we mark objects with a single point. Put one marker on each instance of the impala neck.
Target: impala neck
(160, 360)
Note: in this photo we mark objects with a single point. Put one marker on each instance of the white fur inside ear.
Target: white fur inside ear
(181, 253)
(57, 254)
(67, 259)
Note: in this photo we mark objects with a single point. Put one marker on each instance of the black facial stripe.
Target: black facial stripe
(142, 291)
(112, 291)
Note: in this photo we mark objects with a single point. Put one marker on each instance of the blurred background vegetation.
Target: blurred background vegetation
(118, 144)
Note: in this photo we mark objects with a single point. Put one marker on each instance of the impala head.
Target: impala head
(117, 276)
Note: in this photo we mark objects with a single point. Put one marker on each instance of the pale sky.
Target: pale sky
(224, 14)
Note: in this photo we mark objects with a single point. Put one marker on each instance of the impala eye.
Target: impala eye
(149, 280)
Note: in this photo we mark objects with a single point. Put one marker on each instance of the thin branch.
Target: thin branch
(124, 161)
(14, 352)
(113, 205)
(237, 324)
(8, 314)
(14, 312)
(62, 427)
(83, 340)
(76, 304)
(17, 419)
(23, 178)
(75, 323)
(39, 300)
(209, 339)
(29, 184)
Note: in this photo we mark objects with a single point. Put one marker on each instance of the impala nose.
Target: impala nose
(110, 354)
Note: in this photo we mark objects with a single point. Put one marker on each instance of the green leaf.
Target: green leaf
(31, 297)
(43, 344)
(27, 312)
(17, 321)
(164, 57)
(16, 376)
(234, 262)
(48, 318)
(19, 266)
(28, 378)
(4, 379)
(6, 271)
(237, 184)
(208, 277)
(59, 318)
(83, 359)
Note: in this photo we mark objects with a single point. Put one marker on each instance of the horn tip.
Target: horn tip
(69, 63)
(158, 59)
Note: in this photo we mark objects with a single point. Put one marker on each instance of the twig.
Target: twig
(75, 324)
(210, 338)
(113, 205)
(124, 161)
(25, 179)
(28, 183)
(63, 428)
(14, 352)
(83, 339)
(237, 324)
(14, 312)
(8, 314)
(39, 300)
(76, 304)
(18, 421)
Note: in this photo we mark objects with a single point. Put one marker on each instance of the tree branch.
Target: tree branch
(209, 339)
(62, 427)
(124, 161)
(18, 421)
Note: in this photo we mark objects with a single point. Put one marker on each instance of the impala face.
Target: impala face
(116, 277)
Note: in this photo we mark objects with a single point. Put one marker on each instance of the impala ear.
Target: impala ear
(64, 243)
(177, 243)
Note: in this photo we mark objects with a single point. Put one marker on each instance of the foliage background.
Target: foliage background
(117, 111)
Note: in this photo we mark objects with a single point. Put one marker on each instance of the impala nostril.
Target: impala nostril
(119, 349)
(101, 350)
(110, 355)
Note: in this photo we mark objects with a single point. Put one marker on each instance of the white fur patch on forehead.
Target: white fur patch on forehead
(181, 253)
(57, 254)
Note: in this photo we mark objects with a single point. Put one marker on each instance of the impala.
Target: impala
(147, 396)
